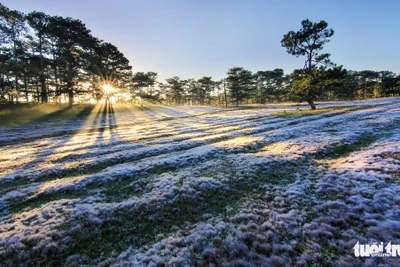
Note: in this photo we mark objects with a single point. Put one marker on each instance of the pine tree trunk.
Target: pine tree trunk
(42, 78)
(70, 88)
(311, 103)
(225, 95)
(70, 97)
(26, 90)
(237, 98)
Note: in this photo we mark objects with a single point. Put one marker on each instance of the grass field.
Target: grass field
(119, 185)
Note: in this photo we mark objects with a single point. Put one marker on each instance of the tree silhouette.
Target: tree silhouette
(308, 42)
(13, 29)
(240, 84)
(39, 21)
(73, 40)
(143, 84)
(175, 89)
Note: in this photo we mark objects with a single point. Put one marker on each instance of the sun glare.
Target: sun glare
(107, 89)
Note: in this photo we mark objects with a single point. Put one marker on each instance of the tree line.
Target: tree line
(47, 58)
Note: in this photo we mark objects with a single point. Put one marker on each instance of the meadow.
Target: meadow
(274, 185)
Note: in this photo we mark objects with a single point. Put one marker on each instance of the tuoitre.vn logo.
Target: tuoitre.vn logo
(376, 250)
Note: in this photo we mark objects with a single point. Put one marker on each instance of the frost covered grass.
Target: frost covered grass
(201, 186)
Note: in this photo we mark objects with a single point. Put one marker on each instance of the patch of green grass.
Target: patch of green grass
(343, 150)
(17, 183)
(26, 113)
(279, 174)
(119, 191)
(299, 112)
(33, 112)
(244, 107)
(21, 204)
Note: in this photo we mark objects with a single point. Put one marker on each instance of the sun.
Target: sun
(107, 89)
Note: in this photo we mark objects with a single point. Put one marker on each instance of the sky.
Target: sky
(192, 39)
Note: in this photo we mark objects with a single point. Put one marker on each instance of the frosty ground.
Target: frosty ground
(202, 186)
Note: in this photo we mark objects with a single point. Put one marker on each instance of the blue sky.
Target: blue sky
(191, 39)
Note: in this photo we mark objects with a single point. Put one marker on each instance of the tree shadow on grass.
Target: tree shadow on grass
(67, 113)
(25, 114)
(50, 144)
